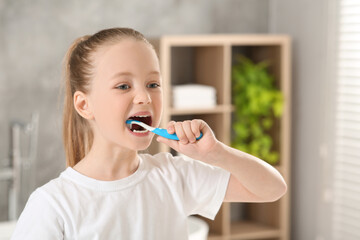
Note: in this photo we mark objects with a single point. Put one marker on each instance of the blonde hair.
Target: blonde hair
(78, 65)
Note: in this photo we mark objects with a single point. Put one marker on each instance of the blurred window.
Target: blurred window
(346, 182)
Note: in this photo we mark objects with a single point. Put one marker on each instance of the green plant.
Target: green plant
(257, 104)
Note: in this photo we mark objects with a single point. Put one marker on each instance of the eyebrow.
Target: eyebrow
(119, 74)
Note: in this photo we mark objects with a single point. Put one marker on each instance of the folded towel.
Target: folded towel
(193, 96)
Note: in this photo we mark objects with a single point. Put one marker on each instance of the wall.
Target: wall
(34, 36)
(310, 24)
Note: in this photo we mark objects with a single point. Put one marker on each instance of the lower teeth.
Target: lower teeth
(140, 131)
(137, 131)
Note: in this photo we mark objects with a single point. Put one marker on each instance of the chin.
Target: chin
(142, 145)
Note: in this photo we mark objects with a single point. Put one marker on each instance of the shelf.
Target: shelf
(252, 230)
(208, 60)
(194, 111)
(224, 39)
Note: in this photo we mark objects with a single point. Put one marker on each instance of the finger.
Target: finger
(195, 127)
(188, 131)
(205, 129)
(170, 127)
(180, 133)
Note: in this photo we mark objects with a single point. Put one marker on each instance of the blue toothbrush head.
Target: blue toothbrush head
(131, 121)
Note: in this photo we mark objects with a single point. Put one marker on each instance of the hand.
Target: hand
(187, 132)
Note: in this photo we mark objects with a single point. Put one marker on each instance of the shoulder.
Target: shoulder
(50, 186)
(54, 186)
(39, 200)
(52, 193)
(41, 203)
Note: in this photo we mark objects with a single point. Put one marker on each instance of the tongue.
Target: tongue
(136, 127)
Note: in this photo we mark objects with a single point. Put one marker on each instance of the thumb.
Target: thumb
(205, 128)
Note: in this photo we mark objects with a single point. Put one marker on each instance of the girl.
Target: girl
(108, 190)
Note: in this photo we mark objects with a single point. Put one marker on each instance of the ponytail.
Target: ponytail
(77, 134)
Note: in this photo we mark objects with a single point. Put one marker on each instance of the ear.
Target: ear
(82, 106)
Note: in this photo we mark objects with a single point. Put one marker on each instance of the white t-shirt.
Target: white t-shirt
(152, 203)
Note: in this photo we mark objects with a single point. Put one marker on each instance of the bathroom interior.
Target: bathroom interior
(316, 49)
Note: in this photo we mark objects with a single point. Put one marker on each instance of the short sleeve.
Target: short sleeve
(38, 220)
(204, 186)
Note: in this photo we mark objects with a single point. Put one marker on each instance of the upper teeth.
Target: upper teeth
(142, 116)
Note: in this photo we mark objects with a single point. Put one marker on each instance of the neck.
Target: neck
(108, 162)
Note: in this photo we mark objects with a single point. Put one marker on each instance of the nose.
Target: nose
(142, 97)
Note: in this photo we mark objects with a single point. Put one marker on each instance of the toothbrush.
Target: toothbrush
(159, 131)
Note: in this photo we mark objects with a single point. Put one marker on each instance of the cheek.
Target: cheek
(158, 103)
(109, 109)
(102, 106)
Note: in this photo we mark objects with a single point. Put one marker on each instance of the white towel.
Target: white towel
(193, 96)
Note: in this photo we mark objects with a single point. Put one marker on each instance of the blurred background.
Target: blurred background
(34, 36)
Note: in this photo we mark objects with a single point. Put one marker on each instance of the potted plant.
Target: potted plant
(258, 103)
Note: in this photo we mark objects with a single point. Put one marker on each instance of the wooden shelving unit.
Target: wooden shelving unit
(207, 59)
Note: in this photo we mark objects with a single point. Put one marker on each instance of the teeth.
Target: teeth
(140, 131)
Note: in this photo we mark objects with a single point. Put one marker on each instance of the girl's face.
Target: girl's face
(127, 84)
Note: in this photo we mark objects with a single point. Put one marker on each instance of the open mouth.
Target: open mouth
(139, 129)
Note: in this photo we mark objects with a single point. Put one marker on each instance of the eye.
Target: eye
(153, 85)
(123, 87)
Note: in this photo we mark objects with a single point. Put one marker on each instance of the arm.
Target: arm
(252, 179)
